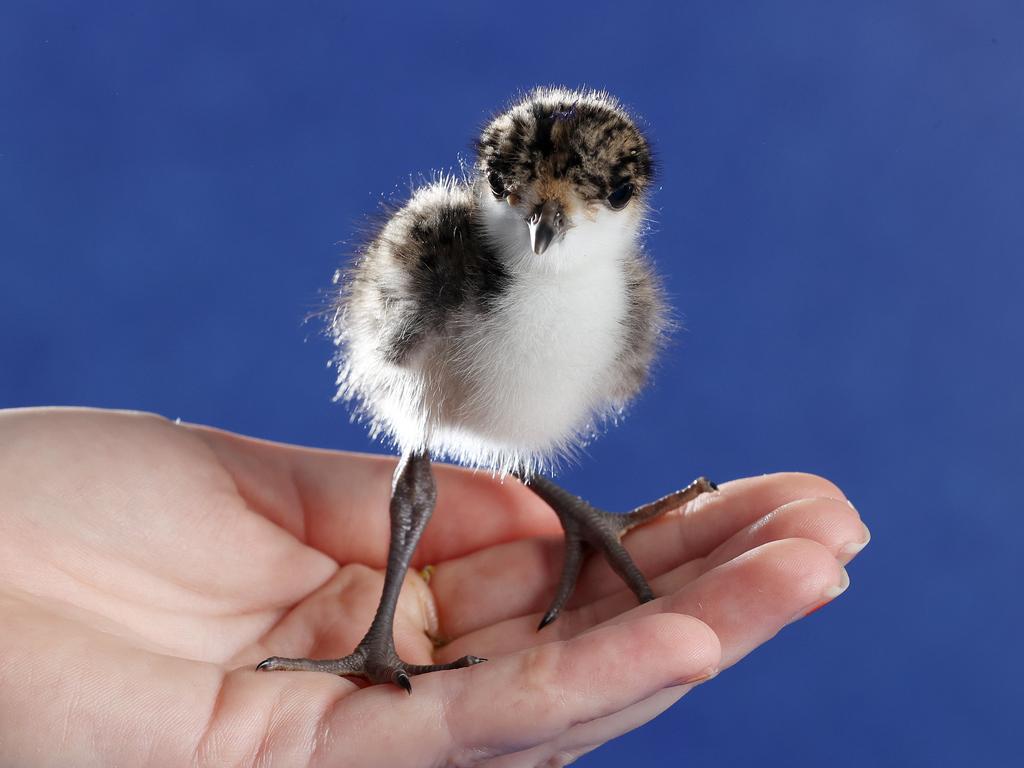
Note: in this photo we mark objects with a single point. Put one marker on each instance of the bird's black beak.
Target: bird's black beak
(545, 223)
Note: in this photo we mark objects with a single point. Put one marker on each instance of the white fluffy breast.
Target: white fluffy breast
(538, 370)
(524, 381)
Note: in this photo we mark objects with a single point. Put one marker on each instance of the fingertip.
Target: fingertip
(750, 598)
(803, 574)
(852, 548)
(648, 653)
(831, 522)
(683, 648)
(805, 569)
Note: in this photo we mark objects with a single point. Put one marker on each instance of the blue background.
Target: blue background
(840, 224)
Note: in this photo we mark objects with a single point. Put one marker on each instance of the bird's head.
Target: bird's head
(563, 169)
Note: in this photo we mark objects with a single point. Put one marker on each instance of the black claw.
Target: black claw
(402, 679)
(265, 664)
(548, 618)
(713, 484)
(475, 660)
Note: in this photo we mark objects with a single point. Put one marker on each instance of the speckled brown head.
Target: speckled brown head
(559, 157)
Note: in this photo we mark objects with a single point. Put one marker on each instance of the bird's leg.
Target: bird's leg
(589, 528)
(412, 502)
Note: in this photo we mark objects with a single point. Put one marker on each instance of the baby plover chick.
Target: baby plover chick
(497, 321)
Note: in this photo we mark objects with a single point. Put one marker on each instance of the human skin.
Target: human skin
(147, 566)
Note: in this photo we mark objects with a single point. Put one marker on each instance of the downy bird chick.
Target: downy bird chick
(497, 321)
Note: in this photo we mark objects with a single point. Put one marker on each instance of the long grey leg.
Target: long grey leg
(413, 494)
(587, 527)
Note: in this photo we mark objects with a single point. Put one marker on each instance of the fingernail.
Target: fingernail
(844, 582)
(700, 677)
(831, 593)
(849, 550)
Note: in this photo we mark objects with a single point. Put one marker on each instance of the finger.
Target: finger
(752, 597)
(833, 524)
(517, 702)
(586, 737)
(745, 601)
(743, 514)
(338, 502)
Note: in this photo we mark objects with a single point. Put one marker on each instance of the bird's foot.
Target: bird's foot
(589, 528)
(374, 660)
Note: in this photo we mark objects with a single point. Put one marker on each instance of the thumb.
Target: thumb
(519, 701)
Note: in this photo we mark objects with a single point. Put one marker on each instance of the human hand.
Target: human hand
(145, 567)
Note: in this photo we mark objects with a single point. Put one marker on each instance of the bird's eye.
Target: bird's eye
(618, 199)
(497, 185)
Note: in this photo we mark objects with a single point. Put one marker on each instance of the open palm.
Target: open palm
(145, 567)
